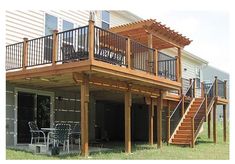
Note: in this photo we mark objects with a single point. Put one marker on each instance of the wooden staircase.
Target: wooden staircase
(183, 133)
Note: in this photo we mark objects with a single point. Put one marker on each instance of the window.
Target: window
(105, 16)
(68, 26)
(51, 23)
(198, 80)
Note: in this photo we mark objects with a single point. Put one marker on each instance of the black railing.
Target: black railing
(73, 44)
(110, 47)
(185, 85)
(210, 92)
(175, 117)
(14, 56)
(142, 57)
(40, 51)
(221, 89)
(166, 69)
(191, 90)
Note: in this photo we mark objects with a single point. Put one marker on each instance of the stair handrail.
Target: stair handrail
(195, 133)
(176, 108)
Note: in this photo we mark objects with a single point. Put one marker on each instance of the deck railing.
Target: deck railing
(39, 51)
(166, 66)
(14, 56)
(166, 69)
(142, 57)
(77, 44)
(73, 45)
(110, 47)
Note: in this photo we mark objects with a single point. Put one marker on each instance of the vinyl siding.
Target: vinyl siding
(10, 114)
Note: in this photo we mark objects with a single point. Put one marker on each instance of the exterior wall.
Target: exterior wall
(31, 24)
(209, 73)
(10, 114)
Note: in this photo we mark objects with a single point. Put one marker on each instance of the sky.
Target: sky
(209, 31)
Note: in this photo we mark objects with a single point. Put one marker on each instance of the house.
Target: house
(119, 76)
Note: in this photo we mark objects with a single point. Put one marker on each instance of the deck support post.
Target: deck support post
(151, 115)
(224, 122)
(214, 123)
(192, 135)
(25, 53)
(159, 120)
(84, 114)
(91, 39)
(209, 125)
(168, 122)
(128, 104)
(55, 47)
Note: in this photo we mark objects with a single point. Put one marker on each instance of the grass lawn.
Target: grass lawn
(205, 149)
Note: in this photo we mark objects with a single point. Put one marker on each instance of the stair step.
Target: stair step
(179, 135)
(181, 140)
(180, 143)
(184, 131)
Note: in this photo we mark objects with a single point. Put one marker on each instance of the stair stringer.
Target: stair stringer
(186, 112)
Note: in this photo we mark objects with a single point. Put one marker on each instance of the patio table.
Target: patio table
(48, 130)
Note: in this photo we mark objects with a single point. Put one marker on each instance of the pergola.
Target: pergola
(162, 36)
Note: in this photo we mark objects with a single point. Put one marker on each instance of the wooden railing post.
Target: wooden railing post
(180, 66)
(192, 121)
(177, 69)
(128, 53)
(202, 89)
(91, 39)
(216, 86)
(55, 47)
(225, 89)
(194, 87)
(155, 58)
(25, 53)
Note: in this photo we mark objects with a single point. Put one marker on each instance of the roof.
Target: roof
(194, 57)
(163, 36)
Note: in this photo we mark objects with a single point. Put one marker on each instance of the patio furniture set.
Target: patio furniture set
(62, 134)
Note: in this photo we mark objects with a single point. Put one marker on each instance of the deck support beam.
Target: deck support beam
(128, 104)
(151, 115)
(224, 122)
(159, 120)
(84, 114)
